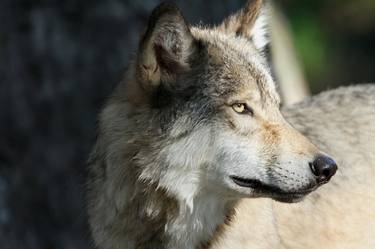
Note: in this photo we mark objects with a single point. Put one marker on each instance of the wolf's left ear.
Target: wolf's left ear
(249, 22)
(165, 49)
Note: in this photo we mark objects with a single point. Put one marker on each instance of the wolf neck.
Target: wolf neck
(187, 225)
(195, 225)
(180, 225)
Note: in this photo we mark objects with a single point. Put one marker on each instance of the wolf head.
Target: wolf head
(199, 113)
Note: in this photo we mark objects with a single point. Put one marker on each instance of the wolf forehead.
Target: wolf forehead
(229, 66)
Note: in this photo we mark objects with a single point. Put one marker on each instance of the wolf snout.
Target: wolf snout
(323, 167)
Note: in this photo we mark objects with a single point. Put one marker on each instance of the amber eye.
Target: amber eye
(242, 108)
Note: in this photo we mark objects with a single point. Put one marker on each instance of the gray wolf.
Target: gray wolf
(194, 127)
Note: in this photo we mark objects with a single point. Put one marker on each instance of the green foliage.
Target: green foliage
(334, 40)
(311, 44)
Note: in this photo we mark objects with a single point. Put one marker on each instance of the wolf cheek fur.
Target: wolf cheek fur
(173, 153)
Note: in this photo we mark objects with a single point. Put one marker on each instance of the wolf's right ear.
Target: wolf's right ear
(165, 48)
(249, 22)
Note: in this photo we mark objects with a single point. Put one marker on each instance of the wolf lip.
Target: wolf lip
(247, 183)
(274, 191)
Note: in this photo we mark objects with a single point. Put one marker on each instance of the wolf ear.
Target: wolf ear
(165, 48)
(249, 22)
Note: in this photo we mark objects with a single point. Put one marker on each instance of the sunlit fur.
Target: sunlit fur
(340, 215)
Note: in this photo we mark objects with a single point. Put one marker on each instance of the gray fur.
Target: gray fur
(170, 139)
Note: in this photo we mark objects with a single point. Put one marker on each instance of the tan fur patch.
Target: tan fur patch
(271, 133)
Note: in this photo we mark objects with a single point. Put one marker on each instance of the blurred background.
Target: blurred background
(59, 59)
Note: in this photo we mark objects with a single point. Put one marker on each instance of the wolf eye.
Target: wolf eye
(242, 108)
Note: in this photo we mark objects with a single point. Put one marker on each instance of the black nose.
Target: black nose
(323, 168)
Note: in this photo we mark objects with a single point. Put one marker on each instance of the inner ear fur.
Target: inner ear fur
(165, 48)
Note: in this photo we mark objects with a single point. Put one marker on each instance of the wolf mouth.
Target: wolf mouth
(270, 190)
